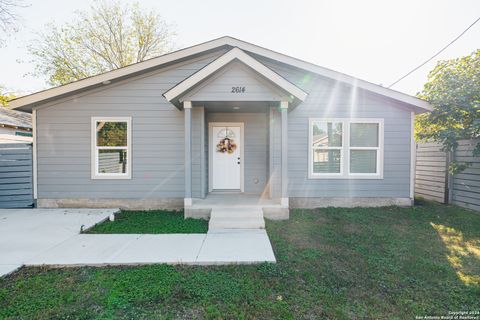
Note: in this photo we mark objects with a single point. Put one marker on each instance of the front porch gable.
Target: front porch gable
(249, 80)
(227, 85)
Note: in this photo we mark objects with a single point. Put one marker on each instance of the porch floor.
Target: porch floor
(227, 210)
(233, 199)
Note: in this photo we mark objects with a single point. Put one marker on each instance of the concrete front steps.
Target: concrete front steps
(247, 217)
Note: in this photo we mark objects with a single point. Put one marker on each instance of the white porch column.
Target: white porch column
(284, 157)
(187, 109)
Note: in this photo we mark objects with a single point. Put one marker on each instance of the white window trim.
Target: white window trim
(94, 148)
(312, 175)
(345, 150)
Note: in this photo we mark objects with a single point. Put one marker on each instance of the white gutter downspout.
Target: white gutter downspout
(413, 158)
(34, 155)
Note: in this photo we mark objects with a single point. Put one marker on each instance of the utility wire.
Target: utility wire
(436, 54)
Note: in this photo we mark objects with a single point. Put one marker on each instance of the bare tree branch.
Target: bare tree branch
(9, 18)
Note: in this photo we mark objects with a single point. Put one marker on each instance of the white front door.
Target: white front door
(226, 146)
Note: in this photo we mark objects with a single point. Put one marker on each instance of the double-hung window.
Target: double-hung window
(364, 148)
(111, 148)
(346, 148)
(327, 147)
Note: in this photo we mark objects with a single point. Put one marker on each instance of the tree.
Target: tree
(5, 97)
(107, 37)
(453, 88)
(8, 17)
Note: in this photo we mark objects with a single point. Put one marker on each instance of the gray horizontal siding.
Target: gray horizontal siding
(64, 139)
(198, 119)
(276, 140)
(219, 87)
(329, 99)
(158, 137)
(16, 176)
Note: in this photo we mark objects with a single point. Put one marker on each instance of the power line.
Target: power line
(436, 54)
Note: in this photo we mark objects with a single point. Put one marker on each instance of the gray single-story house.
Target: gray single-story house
(220, 118)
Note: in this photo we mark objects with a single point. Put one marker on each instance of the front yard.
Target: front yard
(332, 263)
(153, 222)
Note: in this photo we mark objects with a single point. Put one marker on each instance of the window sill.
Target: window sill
(111, 177)
(345, 177)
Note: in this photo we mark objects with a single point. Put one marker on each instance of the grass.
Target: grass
(383, 263)
(154, 221)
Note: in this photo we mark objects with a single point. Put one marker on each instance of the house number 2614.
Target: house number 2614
(238, 90)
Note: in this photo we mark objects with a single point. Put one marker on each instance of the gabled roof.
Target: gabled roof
(234, 54)
(26, 102)
(13, 118)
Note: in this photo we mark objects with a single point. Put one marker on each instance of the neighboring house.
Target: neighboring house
(222, 116)
(15, 126)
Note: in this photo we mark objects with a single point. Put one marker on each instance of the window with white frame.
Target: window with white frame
(111, 148)
(346, 148)
(327, 145)
(364, 147)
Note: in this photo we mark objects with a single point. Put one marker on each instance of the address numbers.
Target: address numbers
(238, 90)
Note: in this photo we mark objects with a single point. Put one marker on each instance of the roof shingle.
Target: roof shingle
(15, 118)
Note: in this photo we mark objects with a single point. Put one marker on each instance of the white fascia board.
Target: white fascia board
(331, 74)
(212, 45)
(234, 54)
(115, 74)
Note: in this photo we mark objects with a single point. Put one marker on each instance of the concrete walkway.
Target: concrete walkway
(226, 247)
(51, 237)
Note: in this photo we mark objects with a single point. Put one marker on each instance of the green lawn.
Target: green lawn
(332, 263)
(154, 221)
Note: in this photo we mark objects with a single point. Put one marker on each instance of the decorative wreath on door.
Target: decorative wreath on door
(226, 145)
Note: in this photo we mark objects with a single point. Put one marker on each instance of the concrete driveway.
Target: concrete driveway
(51, 237)
(27, 233)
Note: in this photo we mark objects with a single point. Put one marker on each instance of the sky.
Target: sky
(374, 40)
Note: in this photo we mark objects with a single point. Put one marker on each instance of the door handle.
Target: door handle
(238, 162)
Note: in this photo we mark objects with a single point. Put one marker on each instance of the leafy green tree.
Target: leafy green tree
(453, 88)
(106, 37)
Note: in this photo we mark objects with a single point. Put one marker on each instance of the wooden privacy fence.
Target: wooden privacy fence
(432, 180)
(16, 175)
